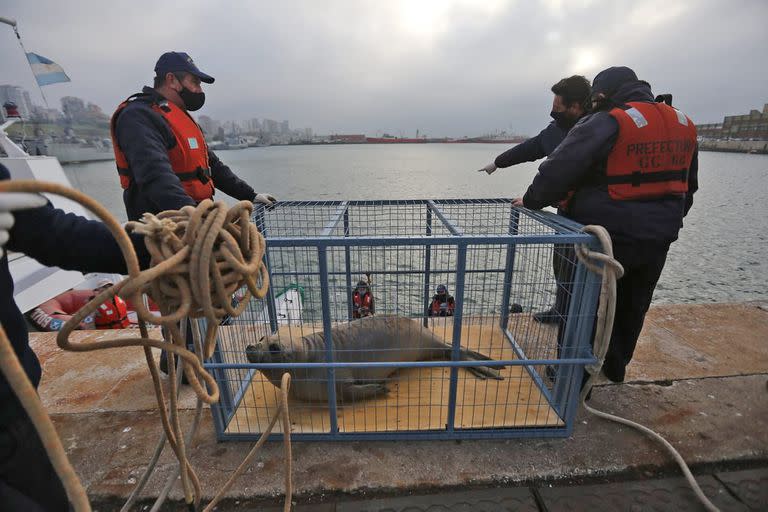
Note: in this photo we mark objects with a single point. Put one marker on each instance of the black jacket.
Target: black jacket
(145, 138)
(578, 163)
(540, 146)
(53, 238)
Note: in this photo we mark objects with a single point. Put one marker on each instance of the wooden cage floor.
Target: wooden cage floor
(418, 397)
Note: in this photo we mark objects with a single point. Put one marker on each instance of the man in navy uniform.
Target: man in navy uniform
(632, 167)
(568, 106)
(162, 158)
(31, 225)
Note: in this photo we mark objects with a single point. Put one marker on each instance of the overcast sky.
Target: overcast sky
(446, 67)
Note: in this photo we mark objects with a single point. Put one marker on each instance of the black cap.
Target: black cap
(170, 62)
(608, 81)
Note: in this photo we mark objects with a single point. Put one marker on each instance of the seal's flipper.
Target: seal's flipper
(353, 392)
(252, 353)
(471, 355)
(484, 372)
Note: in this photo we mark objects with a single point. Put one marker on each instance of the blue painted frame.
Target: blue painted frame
(563, 398)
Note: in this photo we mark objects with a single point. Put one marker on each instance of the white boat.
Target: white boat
(35, 283)
(237, 143)
(79, 151)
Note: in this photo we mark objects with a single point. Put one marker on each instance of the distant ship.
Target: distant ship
(69, 151)
(394, 140)
(492, 139)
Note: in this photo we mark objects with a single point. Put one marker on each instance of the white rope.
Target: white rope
(611, 270)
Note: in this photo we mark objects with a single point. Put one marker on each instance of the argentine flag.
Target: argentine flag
(45, 70)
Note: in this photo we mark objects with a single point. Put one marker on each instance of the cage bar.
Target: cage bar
(501, 264)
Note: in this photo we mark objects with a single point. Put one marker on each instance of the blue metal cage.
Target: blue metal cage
(500, 263)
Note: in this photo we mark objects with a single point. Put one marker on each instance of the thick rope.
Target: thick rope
(200, 257)
(282, 410)
(611, 270)
(17, 378)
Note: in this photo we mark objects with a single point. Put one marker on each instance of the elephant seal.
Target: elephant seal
(373, 338)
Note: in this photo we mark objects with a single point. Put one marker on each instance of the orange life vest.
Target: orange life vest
(652, 154)
(363, 305)
(189, 157)
(436, 308)
(113, 314)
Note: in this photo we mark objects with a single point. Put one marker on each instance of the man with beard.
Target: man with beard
(632, 167)
(568, 106)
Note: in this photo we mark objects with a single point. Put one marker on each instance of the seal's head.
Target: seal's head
(269, 349)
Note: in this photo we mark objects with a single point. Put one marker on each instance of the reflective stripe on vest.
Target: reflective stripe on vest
(188, 158)
(652, 154)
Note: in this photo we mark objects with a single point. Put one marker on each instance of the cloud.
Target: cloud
(446, 67)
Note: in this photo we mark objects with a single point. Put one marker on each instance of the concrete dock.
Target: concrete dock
(699, 378)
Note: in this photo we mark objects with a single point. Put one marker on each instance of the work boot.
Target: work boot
(164, 366)
(547, 317)
(615, 373)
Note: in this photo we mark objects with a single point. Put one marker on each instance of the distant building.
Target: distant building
(28, 102)
(209, 125)
(284, 128)
(271, 126)
(73, 108)
(93, 112)
(742, 127)
(232, 128)
(252, 125)
(46, 115)
(710, 131)
(17, 95)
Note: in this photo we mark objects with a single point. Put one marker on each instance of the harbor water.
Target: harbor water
(720, 256)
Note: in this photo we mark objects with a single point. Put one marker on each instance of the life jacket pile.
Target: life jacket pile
(188, 158)
(112, 314)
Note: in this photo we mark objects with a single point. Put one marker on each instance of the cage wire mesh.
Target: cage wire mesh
(417, 364)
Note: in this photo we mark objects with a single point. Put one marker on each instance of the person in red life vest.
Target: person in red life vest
(162, 158)
(161, 155)
(572, 95)
(443, 304)
(362, 301)
(632, 165)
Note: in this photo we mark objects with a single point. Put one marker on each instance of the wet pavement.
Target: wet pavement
(699, 378)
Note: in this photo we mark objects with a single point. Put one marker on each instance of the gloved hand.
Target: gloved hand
(265, 199)
(490, 168)
(12, 201)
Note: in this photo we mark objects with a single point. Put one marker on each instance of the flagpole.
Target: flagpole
(12, 23)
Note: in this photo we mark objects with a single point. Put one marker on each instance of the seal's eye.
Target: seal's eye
(274, 348)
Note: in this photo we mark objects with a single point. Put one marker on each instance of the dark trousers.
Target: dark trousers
(28, 481)
(643, 263)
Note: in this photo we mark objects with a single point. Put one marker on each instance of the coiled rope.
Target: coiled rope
(200, 257)
(611, 270)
